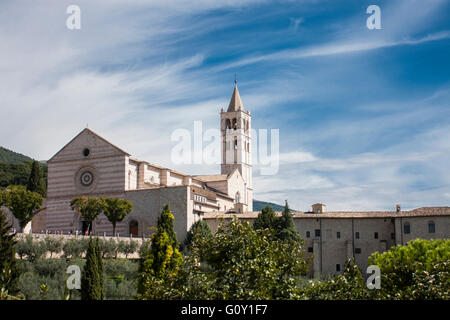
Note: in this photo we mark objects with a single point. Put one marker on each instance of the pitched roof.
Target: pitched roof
(235, 102)
(419, 212)
(211, 177)
(95, 134)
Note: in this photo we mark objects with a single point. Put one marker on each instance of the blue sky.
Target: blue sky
(363, 114)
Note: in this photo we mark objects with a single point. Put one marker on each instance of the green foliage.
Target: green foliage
(31, 249)
(9, 156)
(409, 271)
(161, 263)
(285, 226)
(416, 271)
(54, 245)
(91, 281)
(48, 267)
(266, 219)
(238, 262)
(74, 248)
(23, 203)
(199, 228)
(116, 210)
(14, 173)
(100, 269)
(120, 278)
(347, 286)
(127, 247)
(109, 248)
(36, 182)
(9, 271)
(165, 224)
(259, 205)
(88, 207)
(43, 289)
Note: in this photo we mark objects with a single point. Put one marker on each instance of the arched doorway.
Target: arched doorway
(134, 228)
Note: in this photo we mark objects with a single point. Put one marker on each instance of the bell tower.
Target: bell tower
(235, 125)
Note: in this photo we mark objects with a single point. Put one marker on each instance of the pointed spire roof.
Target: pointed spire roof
(235, 102)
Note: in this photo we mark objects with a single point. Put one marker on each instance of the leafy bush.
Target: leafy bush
(109, 248)
(408, 271)
(30, 248)
(54, 245)
(74, 248)
(238, 262)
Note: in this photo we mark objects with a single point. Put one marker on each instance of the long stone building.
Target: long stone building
(335, 237)
(92, 166)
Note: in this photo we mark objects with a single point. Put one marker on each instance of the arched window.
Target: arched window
(134, 228)
(406, 228)
(431, 227)
(234, 123)
(228, 124)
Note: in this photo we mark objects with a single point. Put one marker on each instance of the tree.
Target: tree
(347, 286)
(237, 262)
(109, 248)
(9, 272)
(266, 219)
(35, 181)
(244, 263)
(54, 245)
(165, 224)
(417, 270)
(199, 228)
(162, 262)
(116, 210)
(285, 226)
(23, 204)
(90, 280)
(88, 207)
(100, 269)
(127, 247)
(73, 248)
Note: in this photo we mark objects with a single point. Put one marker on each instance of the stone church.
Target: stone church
(91, 165)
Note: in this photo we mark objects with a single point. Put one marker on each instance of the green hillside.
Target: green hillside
(9, 156)
(15, 168)
(258, 205)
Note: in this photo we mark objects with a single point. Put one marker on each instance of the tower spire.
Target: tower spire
(235, 102)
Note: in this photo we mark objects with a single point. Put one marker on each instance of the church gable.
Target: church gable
(87, 144)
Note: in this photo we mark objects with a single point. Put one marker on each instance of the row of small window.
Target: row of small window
(357, 250)
(338, 234)
(407, 227)
(199, 198)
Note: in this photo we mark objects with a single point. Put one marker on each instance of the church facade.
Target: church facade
(92, 166)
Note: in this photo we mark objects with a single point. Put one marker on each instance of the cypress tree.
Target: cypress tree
(199, 228)
(90, 281)
(266, 219)
(165, 224)
(35, 181)
(285, 226)
(9, 272)
(162, 259)
(100, 269)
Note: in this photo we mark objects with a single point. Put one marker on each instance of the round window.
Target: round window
(86, 178)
